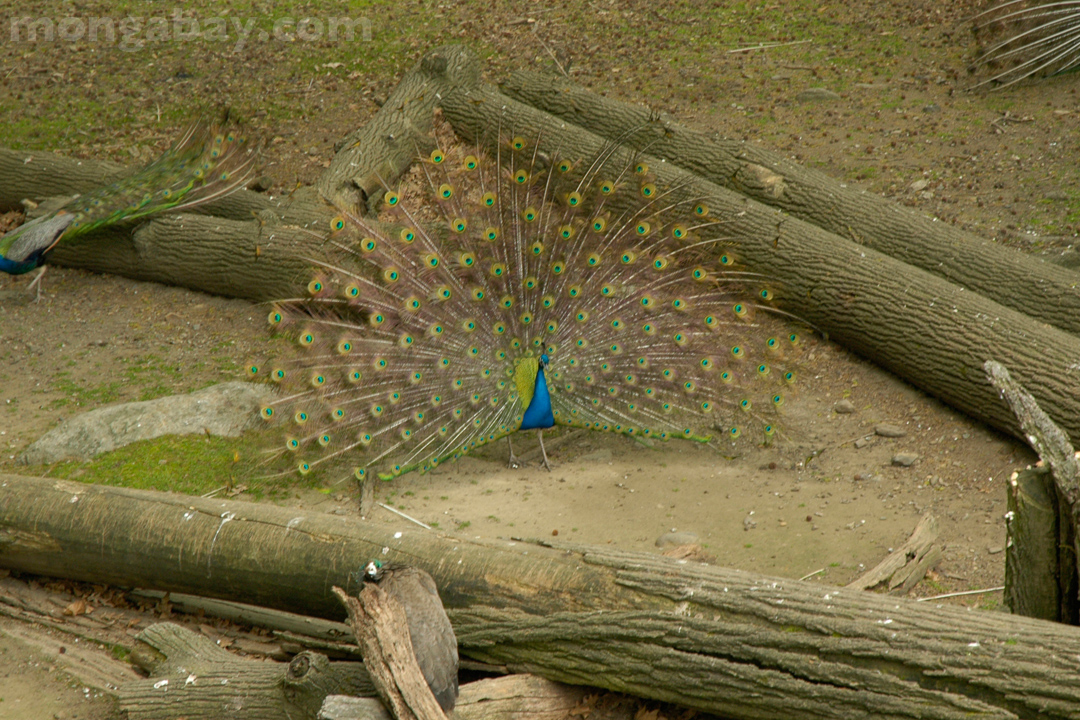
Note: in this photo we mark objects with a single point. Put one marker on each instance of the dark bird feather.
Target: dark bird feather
(433, 639)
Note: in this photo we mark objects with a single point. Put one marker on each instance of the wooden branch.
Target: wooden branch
(382, 632)
(908, 564)
(933, 333)
(193, 678)
(1022, 282)
(251, 615)
(712, 639)
(1045, 437)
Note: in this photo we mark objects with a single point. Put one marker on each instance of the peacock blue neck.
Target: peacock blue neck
(539, 415)
(18, 267)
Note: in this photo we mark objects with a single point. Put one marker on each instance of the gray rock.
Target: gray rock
(904, 459)
(226, 410)
(861, 443)
(816, 94)
(919, 185)
(844, 407)
(674, 539)
(889, 430)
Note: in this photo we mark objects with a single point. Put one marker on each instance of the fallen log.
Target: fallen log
(513, 697)
(1024, 283)
(1040, 558)
(708, 638)
(191, 677)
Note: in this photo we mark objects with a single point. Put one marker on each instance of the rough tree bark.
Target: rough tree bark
(1022, 282)
(934, 334)
(718, 640)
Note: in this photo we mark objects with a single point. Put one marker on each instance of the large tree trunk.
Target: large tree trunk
(1021, 282)
(719, 640)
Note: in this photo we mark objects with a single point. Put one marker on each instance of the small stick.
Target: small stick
(958, 594)
(766, 46)
(398, 512)
(807, 577)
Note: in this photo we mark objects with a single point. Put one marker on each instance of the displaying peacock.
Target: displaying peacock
(205, 163)
(527, 291)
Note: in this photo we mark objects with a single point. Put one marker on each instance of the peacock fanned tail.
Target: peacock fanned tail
(207, 162)
(424, 341)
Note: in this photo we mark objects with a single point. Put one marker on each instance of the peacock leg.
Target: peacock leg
(540, 436)
(513, 462)
(36, 283)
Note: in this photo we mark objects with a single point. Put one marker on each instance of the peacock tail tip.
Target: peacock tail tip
(1020, 39)
(578, 284)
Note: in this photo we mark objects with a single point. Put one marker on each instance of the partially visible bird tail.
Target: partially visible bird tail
(1019, 39)
(207, 162)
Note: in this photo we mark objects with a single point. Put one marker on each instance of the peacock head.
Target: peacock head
(544, 360)
(374, 571)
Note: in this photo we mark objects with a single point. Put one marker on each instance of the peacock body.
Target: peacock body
(531, 291)
(206, 162)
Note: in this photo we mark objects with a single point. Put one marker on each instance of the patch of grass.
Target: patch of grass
(191, 464)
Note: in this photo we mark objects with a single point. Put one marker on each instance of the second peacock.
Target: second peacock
(207, 162)
(522, 291)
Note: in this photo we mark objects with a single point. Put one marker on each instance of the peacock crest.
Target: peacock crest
(524, 287)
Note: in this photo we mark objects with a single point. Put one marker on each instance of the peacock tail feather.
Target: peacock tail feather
(427, 339)
(1020, 39)
(205, 163)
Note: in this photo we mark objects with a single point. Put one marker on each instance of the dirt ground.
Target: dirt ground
(819, 504)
